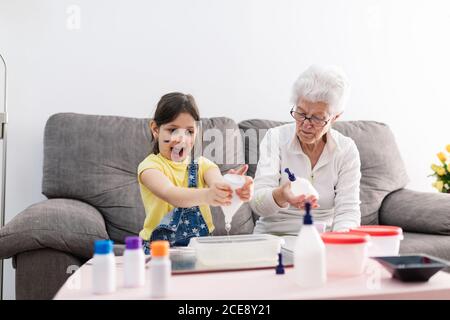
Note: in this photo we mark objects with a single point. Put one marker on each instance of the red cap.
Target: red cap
(344, 237)
(379, 231)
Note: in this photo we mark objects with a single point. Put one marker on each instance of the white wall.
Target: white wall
(238, 58)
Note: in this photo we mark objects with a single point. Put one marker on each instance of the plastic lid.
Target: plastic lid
(132, 243)
(379, 231)
(344, 237)
(159, 248)
(290, 174)
(307, 219)
(103, 246)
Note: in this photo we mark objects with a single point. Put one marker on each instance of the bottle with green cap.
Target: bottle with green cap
(309, 254)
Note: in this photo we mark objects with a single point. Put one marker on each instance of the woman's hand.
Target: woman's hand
(283, 195)
(245, 193)
(219, 194)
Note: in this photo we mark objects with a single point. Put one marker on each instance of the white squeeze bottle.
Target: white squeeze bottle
(160, 269)
(301, 186)
(309, 255)
(236, 181)
(103, 267)
(133, 263)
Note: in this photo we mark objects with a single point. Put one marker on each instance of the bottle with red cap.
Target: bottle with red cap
(309, 254)
(160, 269)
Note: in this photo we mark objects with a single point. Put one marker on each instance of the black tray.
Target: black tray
(408, 268)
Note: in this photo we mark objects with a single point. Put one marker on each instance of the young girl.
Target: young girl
(177, 189)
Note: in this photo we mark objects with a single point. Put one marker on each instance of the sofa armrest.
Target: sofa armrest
(414, 211)
(66, 225)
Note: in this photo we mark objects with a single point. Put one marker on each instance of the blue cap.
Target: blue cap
(280, 268)
(103, 246)
(307, 219)
(290, 174)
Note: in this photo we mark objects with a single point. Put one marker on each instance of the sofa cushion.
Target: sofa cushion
(253, 131)
(222, 143)
(432, 244)
(414, 211)
(382, 168)
(94, 159)
(65, 225)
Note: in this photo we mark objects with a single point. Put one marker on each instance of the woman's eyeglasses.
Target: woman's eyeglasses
(314, 120)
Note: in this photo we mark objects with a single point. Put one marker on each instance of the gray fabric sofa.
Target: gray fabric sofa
(89, 178)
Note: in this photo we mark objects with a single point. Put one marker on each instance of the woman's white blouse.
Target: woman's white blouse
(336, 177)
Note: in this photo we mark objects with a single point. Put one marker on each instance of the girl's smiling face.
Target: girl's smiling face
(176, 138)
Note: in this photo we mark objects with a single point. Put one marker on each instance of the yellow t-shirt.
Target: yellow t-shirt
(177, 172)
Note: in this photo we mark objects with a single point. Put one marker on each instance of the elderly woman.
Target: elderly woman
(311, 149)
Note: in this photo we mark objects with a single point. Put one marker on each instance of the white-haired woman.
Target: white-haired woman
(311, 149)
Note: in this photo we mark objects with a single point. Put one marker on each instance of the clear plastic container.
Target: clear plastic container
(237, 249)
(347, 253)
(385, 240)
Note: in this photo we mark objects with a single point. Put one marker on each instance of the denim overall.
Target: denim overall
(181, 224)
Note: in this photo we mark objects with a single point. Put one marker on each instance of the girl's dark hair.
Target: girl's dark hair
(170, 106)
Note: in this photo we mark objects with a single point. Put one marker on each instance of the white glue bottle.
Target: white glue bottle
(309, 255)
(133, 263)
(235, 181)
(301, 186)
(160, 269)
(103, 267)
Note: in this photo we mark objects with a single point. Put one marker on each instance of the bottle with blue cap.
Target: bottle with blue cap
(300, 185)
(309, 254)
(103, 267)
(295, 184)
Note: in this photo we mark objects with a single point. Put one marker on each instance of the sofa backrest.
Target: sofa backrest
(94, 159)
(382, 167)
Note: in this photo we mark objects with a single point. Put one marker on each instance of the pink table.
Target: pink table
(375, 283)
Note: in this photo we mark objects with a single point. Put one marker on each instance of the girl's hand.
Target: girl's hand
(241, 171)
(219, 194)
(246, 192)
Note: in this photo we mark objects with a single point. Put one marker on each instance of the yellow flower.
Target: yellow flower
(441, 171)
(448, 148)
(438, 185)
(442, 157)
(434, 167)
